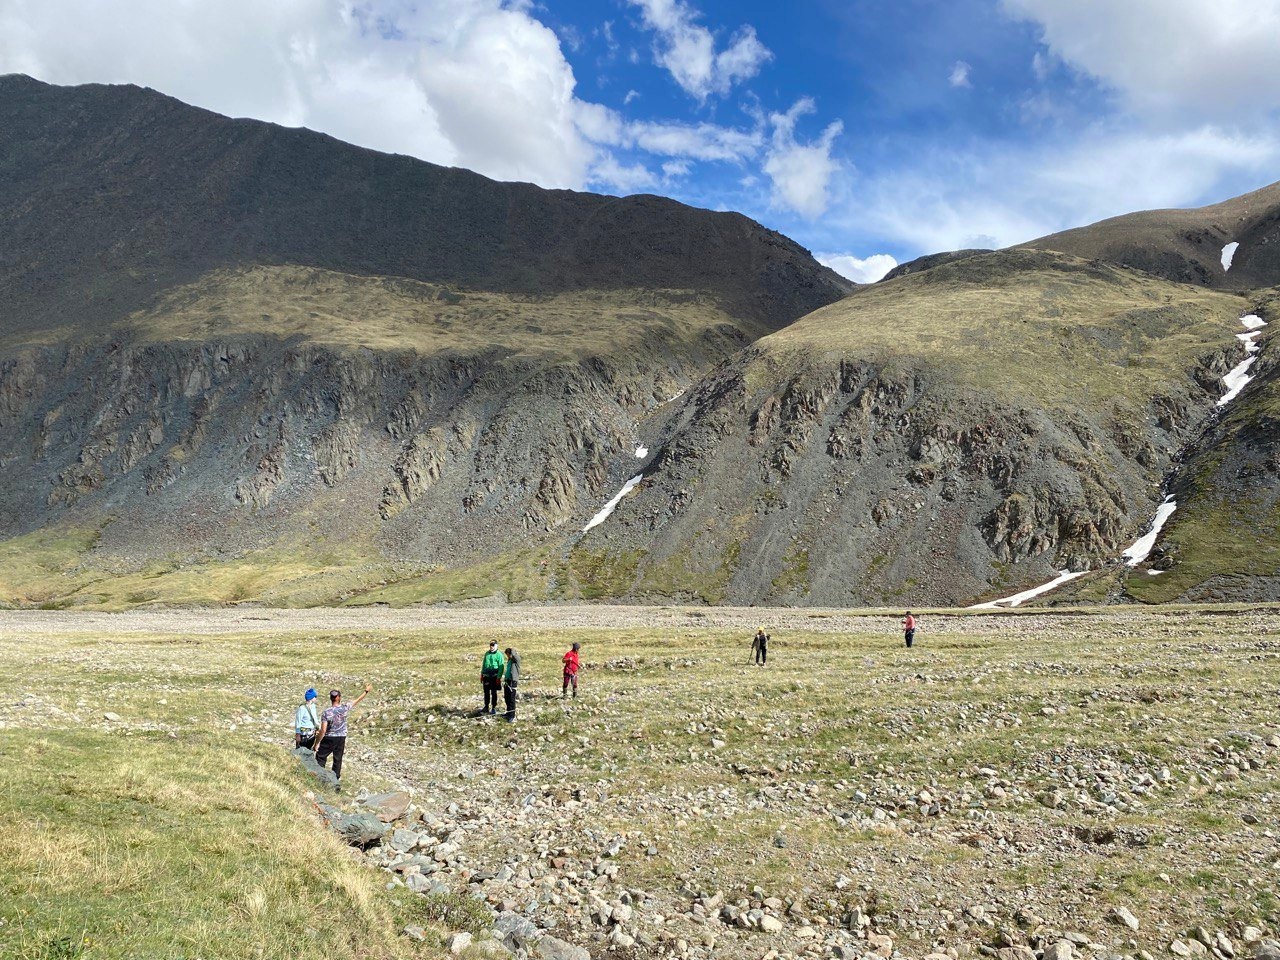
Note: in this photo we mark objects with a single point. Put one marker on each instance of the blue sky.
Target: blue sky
(872, 132)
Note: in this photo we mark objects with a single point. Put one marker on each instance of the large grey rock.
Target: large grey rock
(402, 841)
(1266, 950)
(388, 807)
(359, 829)
(553, 948)
(308, 760)
(515, 932)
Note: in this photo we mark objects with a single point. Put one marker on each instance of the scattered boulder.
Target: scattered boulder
(458, 942)
(553, 948)
(361, 830)
(388, 807)
(1125, 917)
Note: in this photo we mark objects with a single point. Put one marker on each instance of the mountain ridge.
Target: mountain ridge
(238, 364)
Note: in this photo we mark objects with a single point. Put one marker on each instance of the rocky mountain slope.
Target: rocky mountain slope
(935, 438)
(239, 362)
(222, 337)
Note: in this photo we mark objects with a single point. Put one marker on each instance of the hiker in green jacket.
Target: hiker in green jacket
(491, 671)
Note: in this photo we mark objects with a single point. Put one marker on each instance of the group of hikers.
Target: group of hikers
(325, 733)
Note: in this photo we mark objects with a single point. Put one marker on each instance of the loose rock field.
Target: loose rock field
(1017, 786)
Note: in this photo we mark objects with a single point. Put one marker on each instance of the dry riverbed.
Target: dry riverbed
(1038, 785)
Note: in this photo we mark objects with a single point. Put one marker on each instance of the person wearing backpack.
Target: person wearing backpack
(570, 671)
(306, 722)
(491, 670)
(510, 683)
(760, 647)
(909, 629)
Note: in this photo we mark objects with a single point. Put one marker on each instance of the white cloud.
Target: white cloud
(858, 269)
(700, 141)
(1003, 196)
(960, 74)
(478, 83)
(1213, 59)
(675, 169)
(473, 83)
(688, 51)
(800, 172)
(623, 179)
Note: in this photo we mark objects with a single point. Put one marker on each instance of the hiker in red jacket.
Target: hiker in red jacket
(909, 628)
(570, 671)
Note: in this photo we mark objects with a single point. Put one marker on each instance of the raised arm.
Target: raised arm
(356, 702)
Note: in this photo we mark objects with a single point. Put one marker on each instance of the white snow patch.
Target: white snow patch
(1154, 573)
(1142, 546)
(1064, 577)
(1238, 378)
(609, 507)
(641, 452)
(674, 397)
(1228, 252)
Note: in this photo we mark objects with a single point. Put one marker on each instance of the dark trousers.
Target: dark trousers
(332, 745)
(491, 684)
(570, 680)
(911, 636)
(304, 739)
(762, 654)
(509, 694)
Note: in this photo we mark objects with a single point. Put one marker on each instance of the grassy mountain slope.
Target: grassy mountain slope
(1223, 542)
(1186, 245)
(964, 430)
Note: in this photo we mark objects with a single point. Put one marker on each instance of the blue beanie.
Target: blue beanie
(310, 695)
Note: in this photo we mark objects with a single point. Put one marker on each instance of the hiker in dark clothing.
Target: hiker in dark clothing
(332, 738)
(760, 647)
(491, 677)
(909, 629)
(510, 681)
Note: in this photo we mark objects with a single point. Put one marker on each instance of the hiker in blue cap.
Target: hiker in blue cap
(306, 722)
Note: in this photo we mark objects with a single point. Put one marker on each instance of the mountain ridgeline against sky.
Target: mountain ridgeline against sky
(110, 193)
(246, 363)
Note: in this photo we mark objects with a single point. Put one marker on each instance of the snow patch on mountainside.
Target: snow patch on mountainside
(1238, 378)
(609, 507)
(1141, 548)
(1228, 253)
(1064, 577)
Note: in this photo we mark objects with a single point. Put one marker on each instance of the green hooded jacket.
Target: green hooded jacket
(493, 662)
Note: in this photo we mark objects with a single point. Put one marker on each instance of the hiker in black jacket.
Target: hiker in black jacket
(510, 681)
(760, 647)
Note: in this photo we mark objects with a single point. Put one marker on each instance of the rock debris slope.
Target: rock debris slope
(223, 336)
(242, 362)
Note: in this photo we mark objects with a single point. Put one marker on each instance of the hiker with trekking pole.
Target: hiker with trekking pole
(760, 647)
